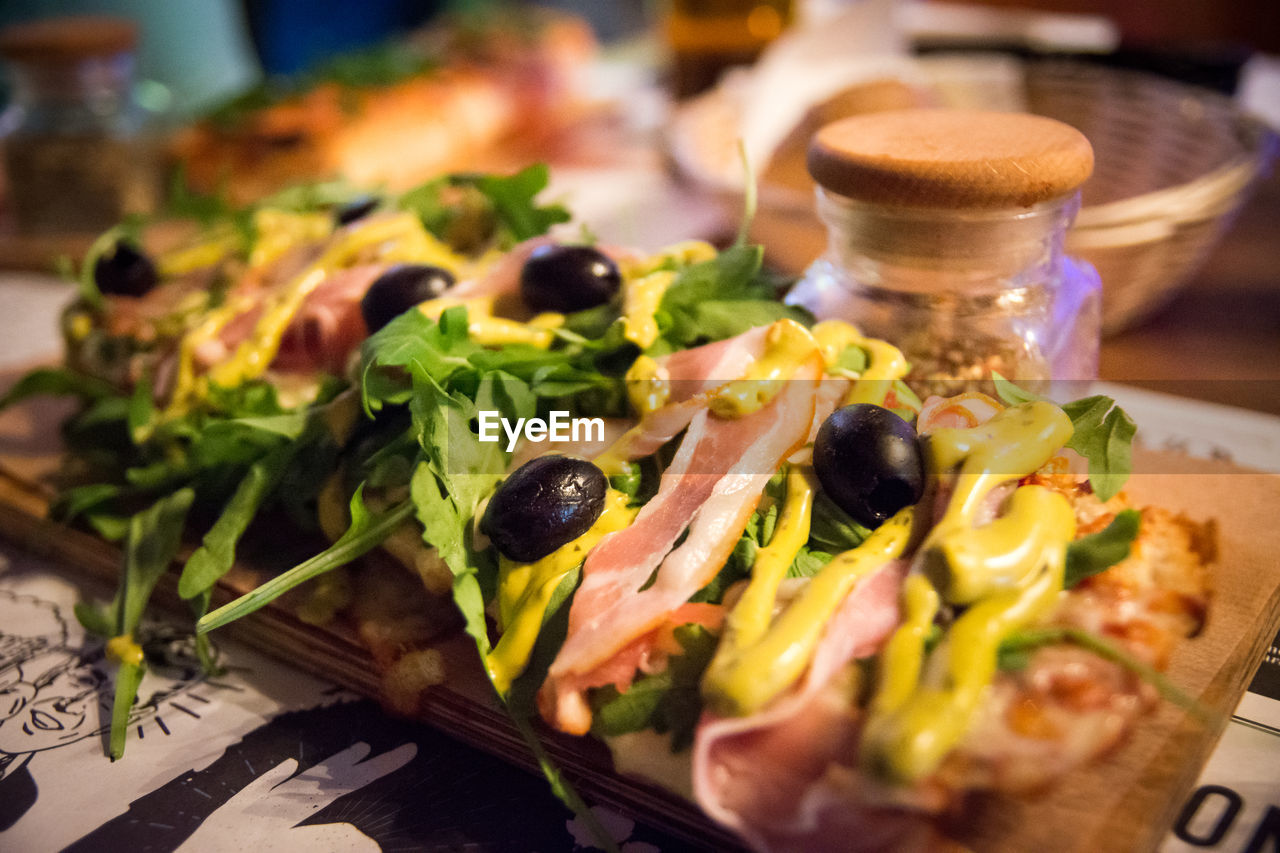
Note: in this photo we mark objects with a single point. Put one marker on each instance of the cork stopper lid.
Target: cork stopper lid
(950, 158)
(68, 38)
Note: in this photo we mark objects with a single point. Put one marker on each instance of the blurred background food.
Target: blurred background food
(243, 97)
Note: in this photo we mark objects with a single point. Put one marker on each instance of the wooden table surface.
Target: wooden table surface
(1219, 339)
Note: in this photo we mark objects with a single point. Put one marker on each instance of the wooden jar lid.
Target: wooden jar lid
(68, 38)
(950, 158)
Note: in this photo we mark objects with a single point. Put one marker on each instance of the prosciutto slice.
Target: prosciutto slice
(786, 778)
(691, 375)
(633, 579)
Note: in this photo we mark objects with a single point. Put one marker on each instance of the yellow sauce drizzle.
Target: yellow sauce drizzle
(277, 231)
(211, 249)
(750, 617)
(972, 563)
(898, 669)
(490, 331)
(1008, 571)
(640, 301)
(123, 649)
(787, 345)
(779, 658)
(648, 385)
(646, 282)
(909, 742)
(376, 238)
(885, 362)
(525, 590)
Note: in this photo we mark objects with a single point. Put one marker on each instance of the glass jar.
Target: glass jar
(76, 156)
(963, 271)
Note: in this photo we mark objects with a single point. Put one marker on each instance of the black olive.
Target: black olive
(126, 271)
(545, 503)
(568, 278)
(357, 208)
(868, 461)
(400, 288)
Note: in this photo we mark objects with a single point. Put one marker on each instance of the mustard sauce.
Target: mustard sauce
(640, 301)
(646, 282)
(787, 345)
(648, 385)
(490, 331)
(779, 658)
(376, 238)
(1009, 572)
(885, 362)
(122, 648)
(210, 250)
(970, 564)
(277, 231)
(525, 590)
(750, 617)
(898, 669)
(910, 742)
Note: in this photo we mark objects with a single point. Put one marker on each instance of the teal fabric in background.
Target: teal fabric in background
(200, 51)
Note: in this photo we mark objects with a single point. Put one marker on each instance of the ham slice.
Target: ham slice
(786, 777)
(711, 488)
(692, 375)
(329, 325)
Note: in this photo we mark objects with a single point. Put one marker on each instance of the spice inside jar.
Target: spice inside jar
(76, 156)
(945, 232)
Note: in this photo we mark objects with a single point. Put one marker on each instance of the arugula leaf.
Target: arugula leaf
(128, 679)
(1097, 552)
(808, 563)
(94, 619)
(1103, 435)
(668, 701)
(155, 535)
(513, 200)
(56, 382)
(719, 298)
(1012, 394)
(444, 526)
(832, 530)
(214, 557)
(366, 532)
(1016, 649)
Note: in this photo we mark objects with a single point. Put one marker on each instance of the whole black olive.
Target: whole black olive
(400, 288)
(357, 208)
(868, 461)
(545, 503)
(568, 278)
(126, 271)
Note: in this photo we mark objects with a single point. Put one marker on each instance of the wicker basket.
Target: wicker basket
(1173, 164)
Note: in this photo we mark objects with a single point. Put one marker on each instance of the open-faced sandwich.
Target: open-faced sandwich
(670, 510)
(471, 93)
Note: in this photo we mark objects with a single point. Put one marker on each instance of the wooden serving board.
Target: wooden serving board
(1126, 802)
